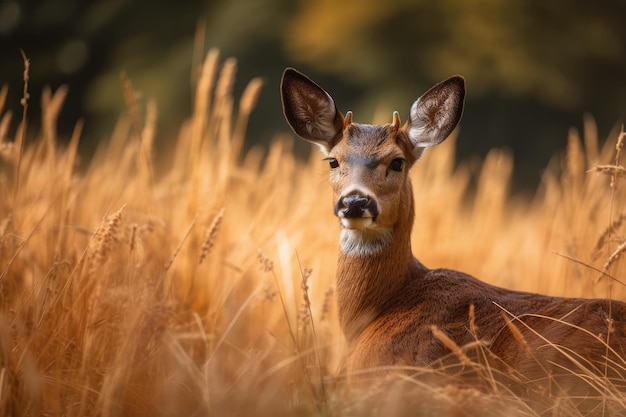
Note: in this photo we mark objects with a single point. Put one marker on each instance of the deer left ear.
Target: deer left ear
(310, 110)
(436, 113)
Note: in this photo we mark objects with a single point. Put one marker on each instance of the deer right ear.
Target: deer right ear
(310, 111)
(436, 113)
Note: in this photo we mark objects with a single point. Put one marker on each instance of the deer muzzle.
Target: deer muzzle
(356, 211)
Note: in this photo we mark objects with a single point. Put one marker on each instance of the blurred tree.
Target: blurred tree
(88, 44)
(532, 68)
(542, 49)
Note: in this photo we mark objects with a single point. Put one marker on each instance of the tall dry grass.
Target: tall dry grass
(202, 284)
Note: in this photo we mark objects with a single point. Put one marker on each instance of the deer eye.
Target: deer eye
(333, 163)
(397, 164)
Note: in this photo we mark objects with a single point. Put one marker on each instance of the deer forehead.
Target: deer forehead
(369, 145)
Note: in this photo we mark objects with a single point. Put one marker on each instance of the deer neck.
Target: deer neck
(367, 280)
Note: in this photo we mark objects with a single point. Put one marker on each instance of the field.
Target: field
(198, 280)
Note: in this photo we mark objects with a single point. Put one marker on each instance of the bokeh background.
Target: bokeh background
(533, 68)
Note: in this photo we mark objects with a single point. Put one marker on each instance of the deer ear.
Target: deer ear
(310, 111)
(436, 113)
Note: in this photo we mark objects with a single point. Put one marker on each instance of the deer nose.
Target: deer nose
(354, 206)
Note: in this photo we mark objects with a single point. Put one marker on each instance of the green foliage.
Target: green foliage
(533, 68)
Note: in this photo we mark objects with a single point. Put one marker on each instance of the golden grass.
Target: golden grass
(203, 284)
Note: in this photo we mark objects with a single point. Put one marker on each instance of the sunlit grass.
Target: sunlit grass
(202, 284)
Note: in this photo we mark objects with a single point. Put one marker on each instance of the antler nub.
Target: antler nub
(396, 120)
(347, 119)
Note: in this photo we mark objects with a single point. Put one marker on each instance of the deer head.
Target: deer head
(369, 164)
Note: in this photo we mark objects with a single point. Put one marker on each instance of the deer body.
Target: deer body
(389, 304)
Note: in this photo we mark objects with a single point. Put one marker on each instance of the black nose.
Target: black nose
(353, 206)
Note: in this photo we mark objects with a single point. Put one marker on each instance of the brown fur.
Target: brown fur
(392, 308)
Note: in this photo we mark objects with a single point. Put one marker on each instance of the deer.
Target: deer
(396, 312)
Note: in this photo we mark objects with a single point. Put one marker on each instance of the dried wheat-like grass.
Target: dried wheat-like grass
(304, 311)
(22, 133)
(606, 233)
(517, 334)
(148, 315)
(620, 143)
(4, 90)
(247, 103)
(131, 96)
(211, 235)
(51, 105)
(180, 244)
(105, 236)
(450, 344)
(616, 170)
(618, 151)
(133, 237)
(326, 304)
(615, 256)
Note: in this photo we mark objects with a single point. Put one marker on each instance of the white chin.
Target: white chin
(356, 222)
(365, 242)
